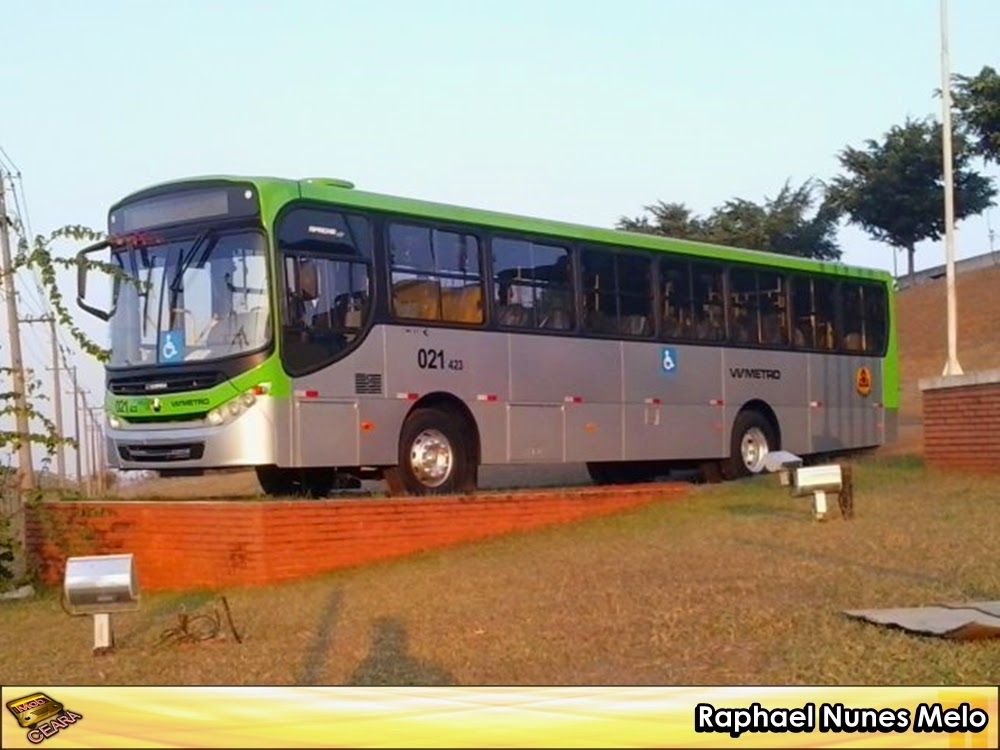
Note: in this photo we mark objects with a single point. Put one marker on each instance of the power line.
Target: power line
(12, 167)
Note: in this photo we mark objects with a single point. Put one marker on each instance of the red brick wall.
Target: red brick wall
(209, 544)
(962, 427)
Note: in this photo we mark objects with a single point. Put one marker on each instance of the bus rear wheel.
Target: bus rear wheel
(434, 455)
(752, 439)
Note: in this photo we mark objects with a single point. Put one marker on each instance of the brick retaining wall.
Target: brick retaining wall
(962, 422)
(212, 544)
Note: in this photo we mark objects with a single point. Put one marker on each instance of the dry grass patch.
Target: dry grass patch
(733, 585)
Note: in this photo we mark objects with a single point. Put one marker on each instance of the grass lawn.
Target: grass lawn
(735, 584)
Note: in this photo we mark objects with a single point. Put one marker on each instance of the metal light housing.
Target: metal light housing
(100, 584)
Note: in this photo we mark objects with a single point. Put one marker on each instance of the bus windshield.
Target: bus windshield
(192, 300)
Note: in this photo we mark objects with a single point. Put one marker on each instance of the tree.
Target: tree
(976, 100)
(893, 189)
(780, 225)
(668, 220)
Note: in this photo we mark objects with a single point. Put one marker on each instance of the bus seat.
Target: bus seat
(417, 298)
(634, 325)
(352, 319)
(514, 315)
(559, 320)
(772, 331)
(463, 304)
(709, 330)
(238, 329)
(853, 342)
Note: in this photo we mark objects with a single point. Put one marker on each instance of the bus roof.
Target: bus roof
(343, 192)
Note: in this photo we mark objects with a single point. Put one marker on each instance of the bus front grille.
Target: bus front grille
(162, 453)
(155, 385)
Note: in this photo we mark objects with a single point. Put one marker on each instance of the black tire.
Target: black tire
(620, 472)
(435, 455)
(309, 482)
(755, 428)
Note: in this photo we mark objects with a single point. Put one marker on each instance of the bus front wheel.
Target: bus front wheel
(433, 455)
(752, 439)
(305, 482)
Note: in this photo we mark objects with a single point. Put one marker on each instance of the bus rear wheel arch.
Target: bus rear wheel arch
(437, 453)
(754, 435)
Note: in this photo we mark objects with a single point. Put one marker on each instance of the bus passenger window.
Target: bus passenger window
(675, 290)
(773, 307)
(533, 285)
(600, 308)
(815, 307)
(635, 295)
(617, 293)
(709, 310)
(326, 305)
(743, 321)
(876, 319)
(853, 308)
(864, 317)
(435, 275)
(825, 307)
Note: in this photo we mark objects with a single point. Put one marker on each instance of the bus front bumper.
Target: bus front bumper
(248, 440)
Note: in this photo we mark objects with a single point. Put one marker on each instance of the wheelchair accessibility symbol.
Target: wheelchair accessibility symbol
(668, 361)
(172, 346)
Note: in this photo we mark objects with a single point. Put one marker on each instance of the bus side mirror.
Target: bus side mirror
(83, 265)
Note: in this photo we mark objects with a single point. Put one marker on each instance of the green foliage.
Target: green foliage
(894, 188)
(784, 224)
(976, 100)
(9, 549)
(37, 256)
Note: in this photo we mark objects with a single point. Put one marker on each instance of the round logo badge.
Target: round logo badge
(863, 381)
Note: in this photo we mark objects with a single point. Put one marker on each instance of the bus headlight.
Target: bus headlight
(114, 422)
(230, 410)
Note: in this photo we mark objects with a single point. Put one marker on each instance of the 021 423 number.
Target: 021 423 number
(434, 359)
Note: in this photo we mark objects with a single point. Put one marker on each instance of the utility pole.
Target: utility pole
(97, 441)
(13, 508)
(57, 399)
(88, 446)
(76, 427)
(25, 468)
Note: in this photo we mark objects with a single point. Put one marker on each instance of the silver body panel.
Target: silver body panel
(539, 398)
(552, 399)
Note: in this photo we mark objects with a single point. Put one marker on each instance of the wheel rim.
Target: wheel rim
(753, 449)
(431, 458)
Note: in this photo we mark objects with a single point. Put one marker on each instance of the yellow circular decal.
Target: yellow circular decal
(863, 381)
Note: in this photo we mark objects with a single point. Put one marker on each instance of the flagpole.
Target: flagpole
(951, 367)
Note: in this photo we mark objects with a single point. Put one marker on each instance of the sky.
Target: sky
(575, 111)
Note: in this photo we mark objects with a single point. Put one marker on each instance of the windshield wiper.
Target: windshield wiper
(182, 267)
(177, 282)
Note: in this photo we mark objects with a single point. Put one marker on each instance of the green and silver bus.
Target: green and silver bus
(323, 335)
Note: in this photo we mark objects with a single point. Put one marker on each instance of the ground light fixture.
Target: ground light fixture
(100, 585)
(814, 481)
